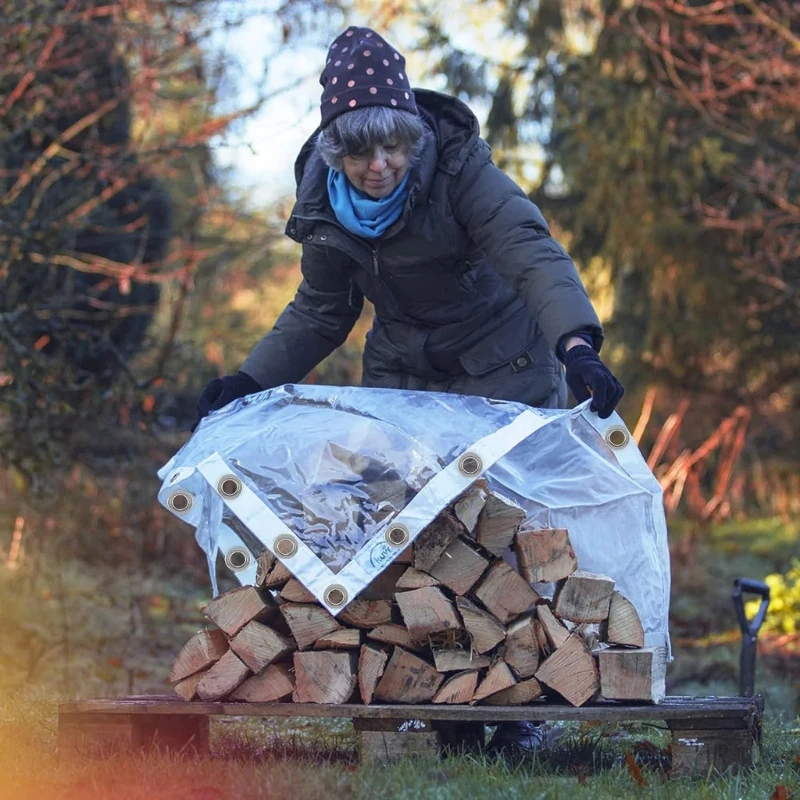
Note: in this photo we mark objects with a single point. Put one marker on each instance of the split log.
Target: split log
(371, 664)
(459, 660)
(584, 597)
(295, 592)
(553, 628)
(498, 677)
(367, 613)
(522, 647)
(484, 630)
(234, 609)
(223, 677)
(263, 566)
(434, 540)
(623, 626)
(324, 676)
(458, 689)
(201, 651)
(590, 633)
(426, 611)
(308, 622)
(408, 679)
(571, 671)
(497, 524)
(627, 674)
(468, 508)
(343, 639)
(393, 634)
(504, 592)
(187, 687)
(459, 567)
(541, 636)
(259, 646)
(277, 577)
(275, 683)
(545, 556)
(517, 695)
(414, 579)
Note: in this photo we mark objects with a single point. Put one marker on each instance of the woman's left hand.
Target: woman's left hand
(588, 376)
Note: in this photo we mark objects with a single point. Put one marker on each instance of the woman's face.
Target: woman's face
(377, 173)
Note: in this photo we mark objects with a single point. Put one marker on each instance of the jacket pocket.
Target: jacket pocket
(517, 344)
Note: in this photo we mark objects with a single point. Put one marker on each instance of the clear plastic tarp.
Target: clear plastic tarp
(332, 469)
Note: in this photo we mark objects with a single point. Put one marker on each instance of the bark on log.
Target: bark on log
(277, 577)
(263, 566)
(434, 540)
(468, 507)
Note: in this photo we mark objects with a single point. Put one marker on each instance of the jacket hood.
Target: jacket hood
(455, 132)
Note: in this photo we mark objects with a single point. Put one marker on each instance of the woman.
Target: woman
(398, 201)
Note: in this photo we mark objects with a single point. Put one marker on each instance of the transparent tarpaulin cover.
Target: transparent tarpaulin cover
(337, 466)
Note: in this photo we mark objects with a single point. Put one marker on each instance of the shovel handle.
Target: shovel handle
(740, 585)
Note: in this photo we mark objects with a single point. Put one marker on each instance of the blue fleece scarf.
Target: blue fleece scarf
(361, 214)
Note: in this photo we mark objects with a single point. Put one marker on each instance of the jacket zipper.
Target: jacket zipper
(375, 261)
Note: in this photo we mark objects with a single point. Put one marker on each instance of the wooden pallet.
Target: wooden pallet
(707, 732)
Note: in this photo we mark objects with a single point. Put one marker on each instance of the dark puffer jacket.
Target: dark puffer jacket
(471, 293)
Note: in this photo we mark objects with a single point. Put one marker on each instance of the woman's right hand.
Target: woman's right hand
(221, 391)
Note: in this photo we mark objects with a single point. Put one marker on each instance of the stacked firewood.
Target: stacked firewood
(450, 621)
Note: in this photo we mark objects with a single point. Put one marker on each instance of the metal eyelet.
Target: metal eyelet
(335, 595)
(285, 545)
(470, 464)
(229, 486)
(180, 502)
(237, 559)
(397, 535)
(617, 437)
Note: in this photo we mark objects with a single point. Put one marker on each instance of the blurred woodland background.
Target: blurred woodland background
(660, 139)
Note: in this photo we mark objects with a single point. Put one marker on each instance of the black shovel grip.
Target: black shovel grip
(741, 585)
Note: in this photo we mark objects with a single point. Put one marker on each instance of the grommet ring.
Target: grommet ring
(397, 535)
(285, 545)
(229, 486)
(335, 595)
(237, 559)
(179, 501)
(617, 437)
(470, 464)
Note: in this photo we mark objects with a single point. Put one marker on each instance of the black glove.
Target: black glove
(585, 372)
(221, 391)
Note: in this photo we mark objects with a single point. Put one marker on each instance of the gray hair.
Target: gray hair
(359, 131)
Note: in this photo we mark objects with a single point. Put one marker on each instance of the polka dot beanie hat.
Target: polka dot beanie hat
(363, 69)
